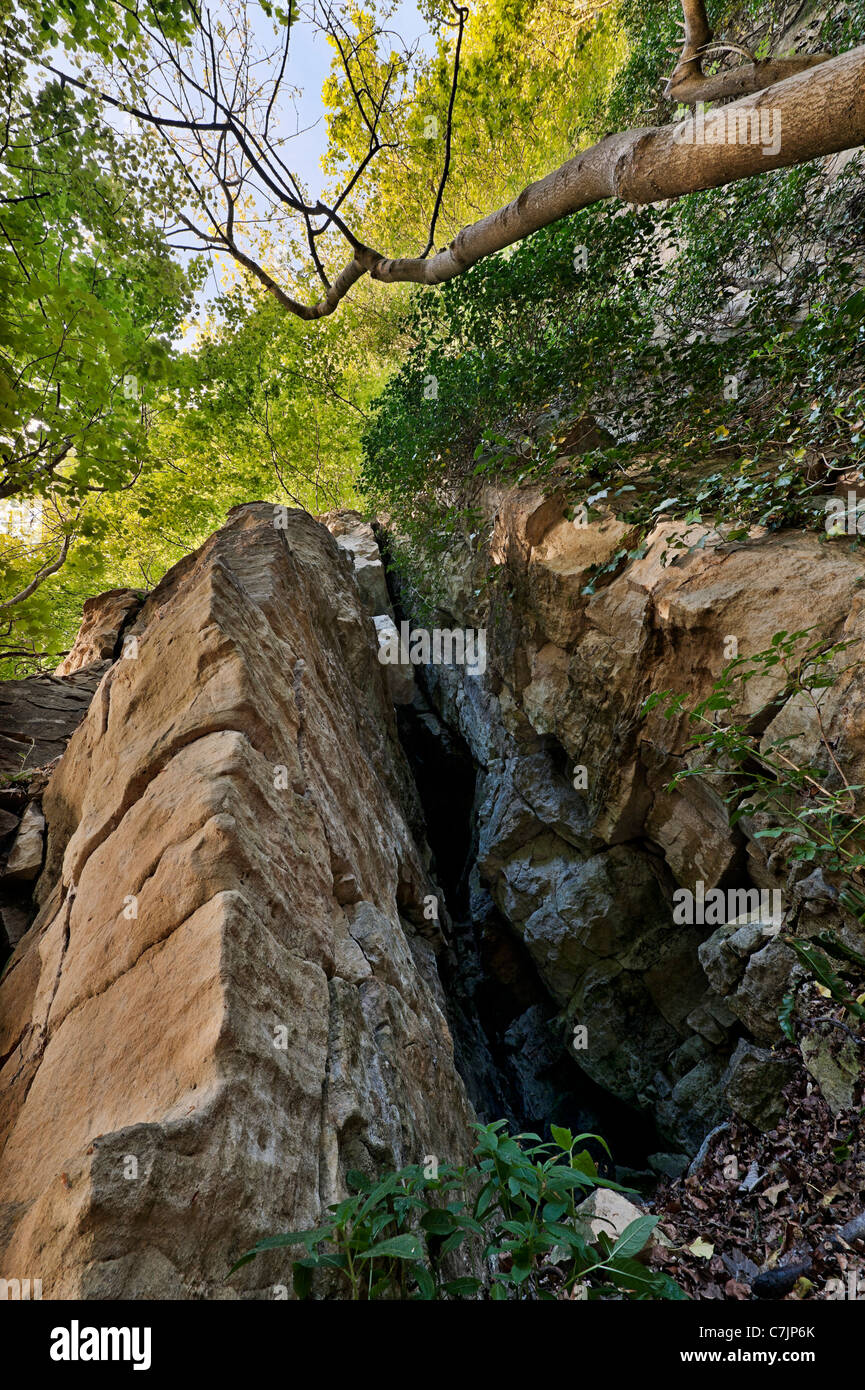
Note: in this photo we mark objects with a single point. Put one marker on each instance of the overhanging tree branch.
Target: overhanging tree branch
(816, 104)
(688, 83)
(818, 111)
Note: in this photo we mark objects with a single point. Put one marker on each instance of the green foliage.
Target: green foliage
(816, 961)
(812, 804)
(91, 298)
(518, 349)
(807, 805)
(96, 26)
(514, 1213)
(90, 301)
(735, 388)
(651, 31)
(262, 408)
(534, 79)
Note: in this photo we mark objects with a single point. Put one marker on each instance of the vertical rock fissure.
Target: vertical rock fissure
(510, 1047)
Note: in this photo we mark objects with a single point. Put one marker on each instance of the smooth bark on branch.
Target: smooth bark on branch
(688, 84)
(818, 111)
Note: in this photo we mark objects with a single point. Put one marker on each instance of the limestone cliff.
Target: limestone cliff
(580, 847)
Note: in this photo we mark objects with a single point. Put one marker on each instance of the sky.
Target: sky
(309, 65)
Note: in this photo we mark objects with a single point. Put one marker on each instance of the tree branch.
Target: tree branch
(462, 16)
(818, 111)
(40, 576)
(688, 84)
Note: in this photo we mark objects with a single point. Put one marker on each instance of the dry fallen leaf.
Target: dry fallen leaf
(702, 1249)
(773, 1193)
(737, 1291)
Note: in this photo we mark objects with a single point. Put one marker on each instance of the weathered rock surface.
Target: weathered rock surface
(581, 844)
(231, 993)
(25, 856)
(38, 715)
(103, 619)
(229, 996)
(357, 538)
(606, 1213)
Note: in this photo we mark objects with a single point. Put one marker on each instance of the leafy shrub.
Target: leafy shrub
(515, 1211)
(814, 807)
(720, 341)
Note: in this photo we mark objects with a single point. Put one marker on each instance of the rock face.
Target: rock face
(580, 844)
(103, 619)
(238, 982)
(357, 538)
(25, 856)
(39, 713)
(38, 716)
(229, 996)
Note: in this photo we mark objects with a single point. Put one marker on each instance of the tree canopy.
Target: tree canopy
(160, 213)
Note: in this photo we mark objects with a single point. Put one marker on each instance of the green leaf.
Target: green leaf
(562, 1137)
(285, 1241)
(425, 1283)
(629, 1274)
(406, 1247)
(634, 1237)
(839, 949)
(438, 1223)
(302, 1278)
(463, 1287)
(785, 1016)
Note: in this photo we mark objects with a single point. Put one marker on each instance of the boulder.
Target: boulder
(103, 618)
(836, 1066)
(25, 856)
(39, 714)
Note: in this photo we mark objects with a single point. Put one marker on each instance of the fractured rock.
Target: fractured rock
(25, 856)
(103, 618)
(755, 1080)
(203, 1035)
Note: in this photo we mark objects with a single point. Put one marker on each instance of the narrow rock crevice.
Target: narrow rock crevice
(511, 1048)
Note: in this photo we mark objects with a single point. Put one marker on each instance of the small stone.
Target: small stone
(25, 857)
(671, 1165)
(605, 1212)
(836, 1070)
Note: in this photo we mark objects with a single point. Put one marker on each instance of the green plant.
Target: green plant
(515, 1212)
(813, 807)
(732, 369)
(842, 984)
(821, 822)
